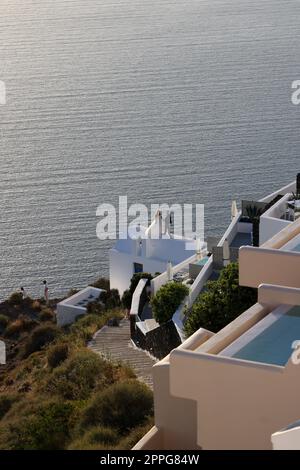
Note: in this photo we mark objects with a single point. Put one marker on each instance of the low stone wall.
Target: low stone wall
(159, 341)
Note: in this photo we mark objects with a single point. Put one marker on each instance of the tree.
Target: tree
(127, 294)
(167, 300)
(221, 302)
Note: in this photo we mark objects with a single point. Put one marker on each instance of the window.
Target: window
(137, 268)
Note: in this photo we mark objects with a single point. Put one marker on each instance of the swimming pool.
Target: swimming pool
(270, 340)
(204, 260)
(292, 245)
(296, 248)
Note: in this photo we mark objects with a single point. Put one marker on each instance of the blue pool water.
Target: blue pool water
(273, 346)
(296, 248)
(203, 261)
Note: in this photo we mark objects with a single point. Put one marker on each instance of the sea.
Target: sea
(162, 101)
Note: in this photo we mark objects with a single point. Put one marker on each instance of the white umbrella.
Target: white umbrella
(234, 209)
(169, 271)
(198, 248)
(226, 252)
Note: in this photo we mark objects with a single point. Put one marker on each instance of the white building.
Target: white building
(141, 253)
(76, 305)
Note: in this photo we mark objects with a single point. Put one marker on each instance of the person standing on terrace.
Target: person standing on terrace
(46, 292)
(23, 293)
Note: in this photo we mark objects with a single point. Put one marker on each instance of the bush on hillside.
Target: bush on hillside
(129, 441)
(85, 327)
(136, 279)
(46, 314)
(221, 302)
(127, 294)
(57, 354)
(110, 298)
(102, 283)
(167, 300)
(76, 378)
(46, 428)
(95, 438)
(6, 401)
(19, 326)
(121, 406)
(15, 299)
(95, 308)
(4, 321)
(126, 299)
(40, 337)
(36, 305)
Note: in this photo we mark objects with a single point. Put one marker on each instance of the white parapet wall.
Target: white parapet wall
(270, 294)
(162, 279)
(134, 310)
(288, 438)
(268, 266)
(271, 221)
(72, 307)
(289, 188)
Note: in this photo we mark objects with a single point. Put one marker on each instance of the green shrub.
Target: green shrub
(126, 299)
(46, 314)
(46, 428)
(76, 378)
(86, 320)
(94, 308)
(94, 438)
(36, 305)
(40, 337)
(128, 442)
(4, 321)
(110, 298)
(136, 279)
(122, 372)
(21, 325)
(15, 299)
(57, 354)
(102, 283)
(221, 302)
(121, 406)
(6, 401)
(85, 327)
(127, 294)
(167, 300)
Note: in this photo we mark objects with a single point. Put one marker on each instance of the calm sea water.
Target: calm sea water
(164, 101)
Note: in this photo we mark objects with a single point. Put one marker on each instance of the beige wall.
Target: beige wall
(276, 295)
(239, 403)
(175, 417)
(268, 266)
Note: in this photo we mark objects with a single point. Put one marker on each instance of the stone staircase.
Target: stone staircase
(113, 342)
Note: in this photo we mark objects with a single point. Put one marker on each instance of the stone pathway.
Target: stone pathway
(114, 343)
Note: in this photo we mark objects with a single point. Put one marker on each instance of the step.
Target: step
(115, 343)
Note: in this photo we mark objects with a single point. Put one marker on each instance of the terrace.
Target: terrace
(72, 307)
(281, 214)
(278, 260)
(270, 340)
